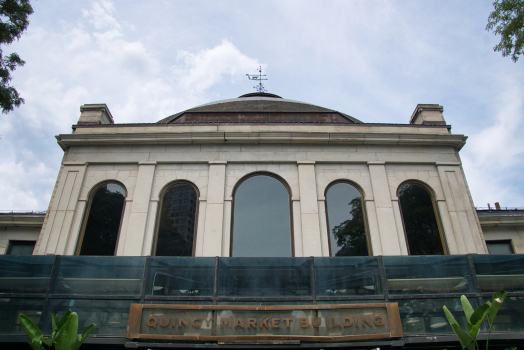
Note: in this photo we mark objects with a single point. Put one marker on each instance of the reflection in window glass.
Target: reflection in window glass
(420, 223)
(261, 219)
(103, 222)
(173, 240)
(21, 248)
(499, 247)
(346, 221)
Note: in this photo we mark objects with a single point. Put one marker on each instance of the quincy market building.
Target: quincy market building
(261, 222)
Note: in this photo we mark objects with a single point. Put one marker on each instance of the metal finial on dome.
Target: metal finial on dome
(259, 87)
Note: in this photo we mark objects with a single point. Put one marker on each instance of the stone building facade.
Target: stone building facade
(217, 145)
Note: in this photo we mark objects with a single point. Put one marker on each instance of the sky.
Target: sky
(372, 59)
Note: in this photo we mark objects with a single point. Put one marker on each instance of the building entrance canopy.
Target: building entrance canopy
(102, 289)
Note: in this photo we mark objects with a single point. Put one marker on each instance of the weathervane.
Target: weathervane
(259, 87)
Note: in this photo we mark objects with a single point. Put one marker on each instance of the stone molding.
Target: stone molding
(68, 140)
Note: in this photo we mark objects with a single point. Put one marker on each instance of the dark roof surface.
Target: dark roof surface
(259, 107)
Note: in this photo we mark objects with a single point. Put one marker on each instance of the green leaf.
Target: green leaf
(36, 344)
(31, 329)
(479, 314)
(63, 320)
(512, 348)
(464, 338)
(87, 331)
(54, 321)
(476, 320)
(498, 299)
(450, 317)
(47, 341)
(66, 336)
(466, 306)
(83, 336)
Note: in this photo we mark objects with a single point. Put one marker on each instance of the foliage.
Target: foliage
(508, 20)
(351, 234)
(13, 22)
(468, 339)
(64, 336)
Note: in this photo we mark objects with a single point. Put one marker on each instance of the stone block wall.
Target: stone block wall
(216, 169)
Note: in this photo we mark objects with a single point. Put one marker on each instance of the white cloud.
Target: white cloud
(493, 157)
(92, 60)
(203, 69)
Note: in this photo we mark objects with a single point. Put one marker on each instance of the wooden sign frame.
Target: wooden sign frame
(135, 317)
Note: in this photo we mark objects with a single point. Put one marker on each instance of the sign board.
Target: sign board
(317, 323)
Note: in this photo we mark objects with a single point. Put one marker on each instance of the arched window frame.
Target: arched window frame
(233, 195)
(91, 195)
(364, 212)
(432, 195)
(159, 212)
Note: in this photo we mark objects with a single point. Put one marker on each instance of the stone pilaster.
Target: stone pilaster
(213, 227)
(389, 241)
(311, 240)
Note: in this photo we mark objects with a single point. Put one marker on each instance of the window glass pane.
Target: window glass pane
(25, 274)
(347, 277)
(495, 272)
(420, 223)
(21, 248)
(499, 247)
(425, 316)
(428, 274)
(94, 275)
(252, 277)
(346, 221)
(110, 316)
(175, 240)
(261, 219)
(103, 223)
(10, 308)
(181, 277)
(509, 318)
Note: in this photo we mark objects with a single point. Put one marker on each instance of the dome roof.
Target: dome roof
(258, 107)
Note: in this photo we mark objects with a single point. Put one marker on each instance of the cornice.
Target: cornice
(22, 220)
(69, 140)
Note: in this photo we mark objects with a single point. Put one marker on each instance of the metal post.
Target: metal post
(50, 285)
(313, 279)
(383, 280)
(215, 282)
(144, 279)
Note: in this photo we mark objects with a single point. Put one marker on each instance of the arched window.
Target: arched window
(422, 230)
(176, 225)
(101, 228)
(261, 219)
(346, 223)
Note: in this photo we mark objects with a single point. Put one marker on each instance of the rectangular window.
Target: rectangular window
(186, 200)
(500, 247)
(21, 248)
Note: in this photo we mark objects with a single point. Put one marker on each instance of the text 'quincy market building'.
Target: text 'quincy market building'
(261, 221)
